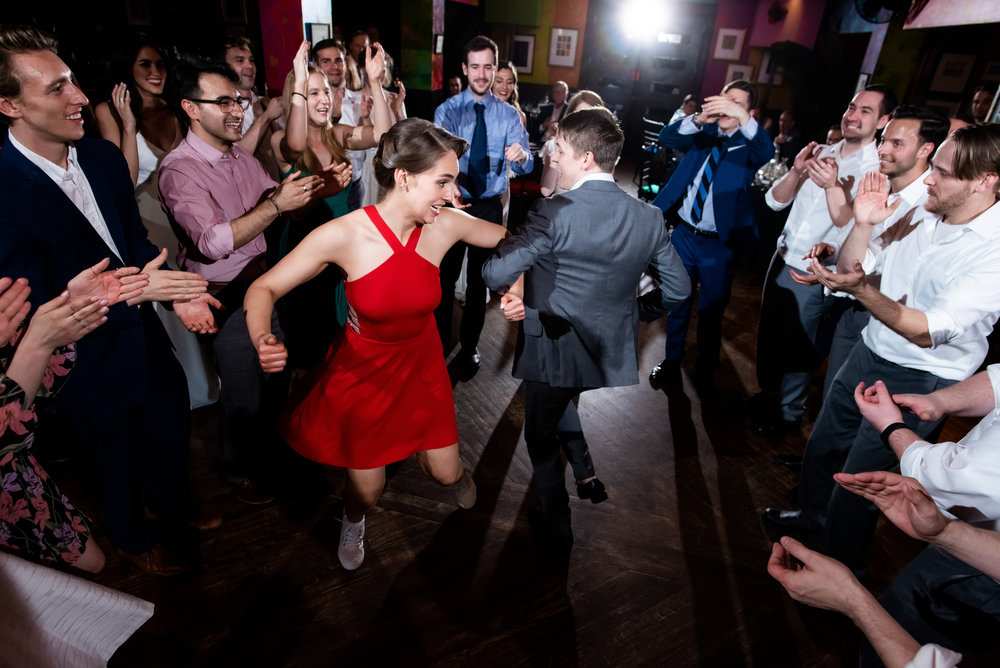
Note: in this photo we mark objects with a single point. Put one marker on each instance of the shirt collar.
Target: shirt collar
(915, 191)
(206, 150)
(470, 100)
(599, 176)
(987, 224)
(51, 169)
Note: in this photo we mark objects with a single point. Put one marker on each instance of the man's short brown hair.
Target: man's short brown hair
(595, 130)
(977, 151)
(15, 40)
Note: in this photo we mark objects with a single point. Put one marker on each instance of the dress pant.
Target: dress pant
(786, 337)
(251, 399)
(474, 313)
(843, 441)
(142, 452)
(544, 408)
(848, 318)
(574, 445)
(940, 599)
(709, 264)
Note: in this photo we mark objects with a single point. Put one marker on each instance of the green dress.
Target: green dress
(313, 313)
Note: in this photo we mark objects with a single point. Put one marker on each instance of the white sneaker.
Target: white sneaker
(352, 545)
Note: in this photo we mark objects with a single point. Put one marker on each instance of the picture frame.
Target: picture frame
(947, 107)
(316, 32)
(739, 71)
(562, 47)
(952, 73)
(766, 76)
(729, 44)
(522, 53)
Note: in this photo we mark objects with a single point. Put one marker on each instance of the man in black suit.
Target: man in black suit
(68, 203)
(582, 253)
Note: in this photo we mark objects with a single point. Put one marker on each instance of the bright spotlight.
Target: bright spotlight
(642, 19)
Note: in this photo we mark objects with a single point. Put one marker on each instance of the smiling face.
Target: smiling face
(241, 60)
(426, 192)
(331, 61)
(901, 149)
(208, 121)
(318, 102)
(863, 117)
(480, 68)
(149, 71)
(728, 124)
(570, 164)
(503, 84)
(945, 191)
(47, 113)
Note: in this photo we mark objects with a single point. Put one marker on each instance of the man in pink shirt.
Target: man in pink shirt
(220, 200)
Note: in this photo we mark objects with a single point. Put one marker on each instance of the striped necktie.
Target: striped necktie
(698, 208)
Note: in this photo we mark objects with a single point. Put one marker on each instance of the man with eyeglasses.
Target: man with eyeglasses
(220, 200)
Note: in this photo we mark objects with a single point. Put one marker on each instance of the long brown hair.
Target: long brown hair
(308, 159)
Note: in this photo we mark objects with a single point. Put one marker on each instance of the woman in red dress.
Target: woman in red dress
(384, 392)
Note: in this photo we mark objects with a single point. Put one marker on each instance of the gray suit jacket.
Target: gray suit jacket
(583, 253)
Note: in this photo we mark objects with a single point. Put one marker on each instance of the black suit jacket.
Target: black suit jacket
(46, 239)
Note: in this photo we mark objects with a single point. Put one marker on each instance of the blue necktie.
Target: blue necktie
(698, 208)
(479, 163)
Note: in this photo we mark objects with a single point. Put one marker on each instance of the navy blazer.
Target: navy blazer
(583, 253)
(46, 239)
(731, 201)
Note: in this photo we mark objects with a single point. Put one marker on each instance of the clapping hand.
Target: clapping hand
(375, 65)
(196, 315)
(902, 499)
(870, 204)
(123, 284)
(14, 306)
(167, 285)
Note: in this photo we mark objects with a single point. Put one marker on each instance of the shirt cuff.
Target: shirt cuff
(750, 129)
(688, 126)
(940, 327)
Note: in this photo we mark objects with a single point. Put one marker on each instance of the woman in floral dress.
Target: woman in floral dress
(37, 521)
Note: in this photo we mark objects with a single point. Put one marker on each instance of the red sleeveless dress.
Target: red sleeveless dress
(384, 392)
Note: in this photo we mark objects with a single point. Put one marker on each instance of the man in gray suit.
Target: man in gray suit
(582, 253)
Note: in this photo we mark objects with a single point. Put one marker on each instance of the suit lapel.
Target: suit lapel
(105, 199)
(48, 193)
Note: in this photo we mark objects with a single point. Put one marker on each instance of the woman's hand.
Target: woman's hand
(57, 323)
(300, 64)
(14, 306)
(375, 64)
(121, 284)
(272, 353)
(121, 100)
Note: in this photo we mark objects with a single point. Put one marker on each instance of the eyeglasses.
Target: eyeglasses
(226, 104)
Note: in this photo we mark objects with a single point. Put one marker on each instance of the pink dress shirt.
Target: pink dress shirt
(203, 189)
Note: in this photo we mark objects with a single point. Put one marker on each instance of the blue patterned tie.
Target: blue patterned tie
(698, 208)
(479, 163)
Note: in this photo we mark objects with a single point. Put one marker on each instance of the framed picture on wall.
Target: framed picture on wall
(522, 53)
(735, 72)
(729, 44)
(317, 31)
(769, 70)
(952, 73)
(562, 47)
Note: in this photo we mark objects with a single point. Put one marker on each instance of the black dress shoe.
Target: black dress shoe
(593, 490)
(666, 373)
(788, 520)
(467, 363)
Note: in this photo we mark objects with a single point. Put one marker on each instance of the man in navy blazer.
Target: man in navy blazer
(68, 203)
(582, 254)
(710, 192)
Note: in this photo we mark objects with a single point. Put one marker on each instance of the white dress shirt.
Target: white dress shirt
(963, 478)
(351, 114)
(74, 184)
(809, 221)
(951, 273)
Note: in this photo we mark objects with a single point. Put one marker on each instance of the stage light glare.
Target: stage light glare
(642, 19)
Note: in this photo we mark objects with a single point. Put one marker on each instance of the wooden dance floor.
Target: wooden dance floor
(669, 571)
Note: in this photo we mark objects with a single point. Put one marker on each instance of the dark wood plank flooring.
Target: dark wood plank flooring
(669, 571)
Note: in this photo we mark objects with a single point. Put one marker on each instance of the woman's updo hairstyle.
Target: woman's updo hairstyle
(415, 145)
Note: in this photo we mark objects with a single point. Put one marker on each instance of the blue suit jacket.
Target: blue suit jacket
(46, 239)
(731, 202)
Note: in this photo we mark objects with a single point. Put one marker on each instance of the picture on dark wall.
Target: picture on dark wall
(522, 52)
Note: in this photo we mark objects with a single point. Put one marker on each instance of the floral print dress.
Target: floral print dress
(37, 521)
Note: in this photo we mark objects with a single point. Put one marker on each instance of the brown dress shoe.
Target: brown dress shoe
(155, 562)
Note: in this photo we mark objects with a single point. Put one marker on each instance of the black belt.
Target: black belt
(704, 234)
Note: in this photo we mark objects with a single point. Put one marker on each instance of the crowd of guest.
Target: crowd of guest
(143, 249)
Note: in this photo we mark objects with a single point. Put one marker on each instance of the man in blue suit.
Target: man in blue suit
(710, 193)
(68, 203)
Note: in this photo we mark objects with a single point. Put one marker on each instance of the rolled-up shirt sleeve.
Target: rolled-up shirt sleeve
(962, 477)
(963, 303)
(195, 210)
(774, 204)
